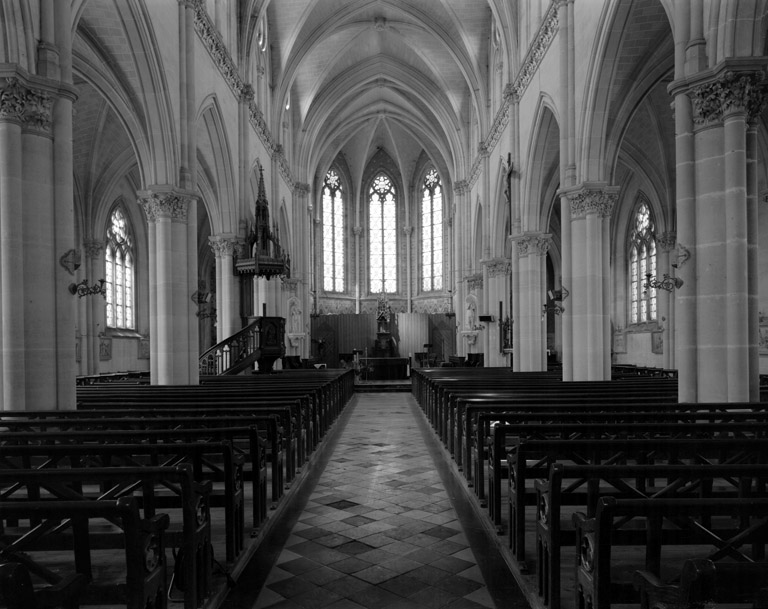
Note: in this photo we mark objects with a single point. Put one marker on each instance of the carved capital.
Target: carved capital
(498, 266)
(358, 231)
(29, 106)
(474, 282)
(291, 284)
(591, 199)
(165, 204)
(536, 244)
(223, 245)
(93, 248)
(729, 92)
(461, 187)
(407, 230)
(666, 241)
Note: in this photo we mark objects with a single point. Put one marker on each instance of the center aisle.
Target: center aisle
(385, 526)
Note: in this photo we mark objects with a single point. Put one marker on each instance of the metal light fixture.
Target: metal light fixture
(83, 289)
(667, 283)
(556, 298)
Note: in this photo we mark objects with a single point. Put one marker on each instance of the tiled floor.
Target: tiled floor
(384, 527)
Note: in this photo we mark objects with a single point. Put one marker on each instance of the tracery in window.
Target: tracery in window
(432, 233)
(119, 272)
(382, 232)
(642, 261)
(333, 233)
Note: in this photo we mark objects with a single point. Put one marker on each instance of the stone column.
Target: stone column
(530, 351)
(591, 205)
(407, 235)
(358, 232)
(92, 312)
(38, 236)
(724, 101)
(11, 255)
(227, 317)
(498, 270)
(166, 211)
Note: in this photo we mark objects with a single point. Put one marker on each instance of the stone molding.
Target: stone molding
(173, 205)
(93, 248)
(30, 106)
(242, 90)
(536, 244)
(667, 241)
(730, 91)
(223, 245)
(592, 199)
(474, 282)
(498, 266)
(291, 284)
(514, 91)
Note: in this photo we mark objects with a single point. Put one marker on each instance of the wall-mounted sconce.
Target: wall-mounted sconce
(205, 302)
(667, 283)
(450, 312)
(83, 289)
(555, 308)
(558, 295)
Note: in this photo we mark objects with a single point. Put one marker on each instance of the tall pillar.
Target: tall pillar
(530, 350)
(752, 257)
(227, 314)
(666, 300)
(166, 210)
(12, 359)
(724, 102)
(591, 205)
(498, 271)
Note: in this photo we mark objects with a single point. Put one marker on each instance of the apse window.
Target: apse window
(642, 261)
(382, 232)
(432, 233)
(119, 272)
(333, 233)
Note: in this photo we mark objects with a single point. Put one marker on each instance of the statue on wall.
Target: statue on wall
(469, 321)
(295, 320)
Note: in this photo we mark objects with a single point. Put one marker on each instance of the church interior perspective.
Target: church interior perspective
(383, 304)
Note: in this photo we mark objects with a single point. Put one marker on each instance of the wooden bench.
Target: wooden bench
(182, 494)
(501, 435)
(649, 526)
(17, 591)
(579, 487)
(65, 527)
(102, 440)
(704, 583)
(529, 459)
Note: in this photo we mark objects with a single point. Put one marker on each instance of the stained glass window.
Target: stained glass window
(642, 261)
(432, 233)
(119, 272)
(382, 231)
(333, 233)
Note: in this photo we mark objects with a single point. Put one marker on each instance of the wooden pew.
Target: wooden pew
(160, 419)
(103, 439)
(144, 563)
(580, 487)
(17, 591)
(704, 583)
(529, 459)
(190, 498)
(500, 435)
(650, 526)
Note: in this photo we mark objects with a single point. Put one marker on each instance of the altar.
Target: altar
(383, 368)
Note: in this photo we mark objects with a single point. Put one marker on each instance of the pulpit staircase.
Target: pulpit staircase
(262, 341)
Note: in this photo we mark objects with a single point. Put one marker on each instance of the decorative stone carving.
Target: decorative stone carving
(474, 282)
(537, 50)
(666, 241)
(291, 284)
(498, 266)
(358, 231)
(12, 100)
(461, 187)
(165, 205)
(223, 246)
(536, 244)
(470, 337)
(93, 248)
(730, 91)
(593, 200)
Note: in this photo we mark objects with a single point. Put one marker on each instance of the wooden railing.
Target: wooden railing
(262, 340)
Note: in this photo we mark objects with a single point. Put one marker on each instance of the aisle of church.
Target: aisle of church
(384, 527)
